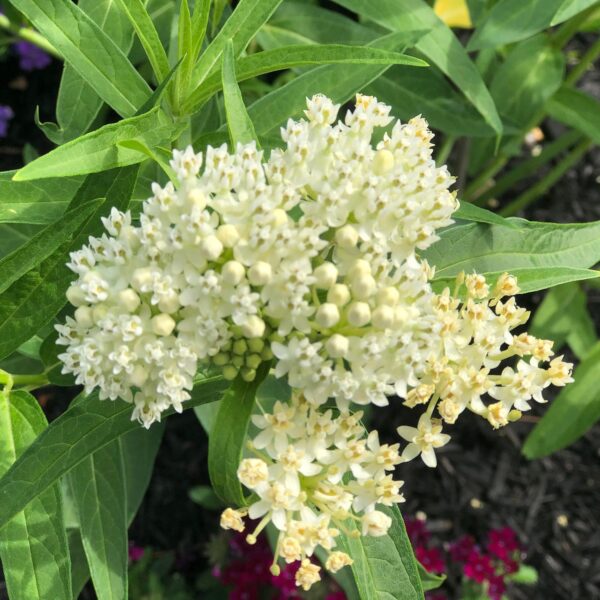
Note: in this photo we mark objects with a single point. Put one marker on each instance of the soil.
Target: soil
(482, 480)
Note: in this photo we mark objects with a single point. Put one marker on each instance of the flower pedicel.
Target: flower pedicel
(309, 259)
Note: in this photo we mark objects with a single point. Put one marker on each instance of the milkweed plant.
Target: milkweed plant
(246, 212)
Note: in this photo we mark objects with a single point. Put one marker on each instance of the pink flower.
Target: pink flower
(135, 552)
(431, 559)
(479, 567)
(461, 549)
(503, 543)
(496, 587)
(417, 531)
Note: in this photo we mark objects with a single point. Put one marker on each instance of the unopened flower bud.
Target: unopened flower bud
(328, 315)
(76, 296)
(99, 312)
(233, 272)
(359, 267)
(325, 275)
(337, 346)
(197, 198)
(142, 279)
(346, 236)
(388, 295)
(84, 316)
(383, 162)
(338, 294)
(375, 523)
(363, 286)
(280, 217)
(169, 303)
(383, 317)
(212, 247)
(128, 299)
(358, 314)
(228, 235)
(260, 273)
(240, 347)
(230, 372)
(138, 376)
(163, 324)
(253, 327)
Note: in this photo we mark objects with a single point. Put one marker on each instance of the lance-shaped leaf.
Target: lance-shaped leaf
(572, 413)
(294, 56)
(384, 567)
(440, 46)
(239, 125)
(92, 53)
(469, 212)
(40, 202)
(577, 109)
(78, 105)
(43, 244)
(100, 150)
(490, 248)
(241, 27)
(33, 545)
(99, 493)
(229, 435)
(513, 20)
(87, 426)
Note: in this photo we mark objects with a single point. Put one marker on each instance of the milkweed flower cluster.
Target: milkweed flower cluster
(312, 472)
(309, 258)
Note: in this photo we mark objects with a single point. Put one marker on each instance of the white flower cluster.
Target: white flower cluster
(310, 259)
(312, 250)
(312, 472)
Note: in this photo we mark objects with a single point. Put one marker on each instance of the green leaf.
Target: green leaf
(526, 575)
(100, 150)
(239, 125)
(241, 27)
(33, 544)
(20, 314)
(513, 20)
(80, 572)
(570, 8)
(430, 581)
(491, 248)
(577, 109)
(426, 91)
(146, 32)
(532, 71)
(384, 567)
(292, 56)
(78, 105)
(469, 212)
(42, 245)
(228, 436)
(574, 326)
(336, 81)
(571, 414)
(90, 51)
(139, 448)
(440, 46)
(98, 491)
(205, 497)
(185, 46)
(87, 426)
(530, 280)
(40, 202)
(199, 25)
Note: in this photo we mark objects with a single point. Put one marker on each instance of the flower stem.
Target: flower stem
(29, 35)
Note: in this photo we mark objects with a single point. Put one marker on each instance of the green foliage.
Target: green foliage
(179, 72)
(384, 567)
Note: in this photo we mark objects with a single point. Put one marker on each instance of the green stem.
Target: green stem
(530, 166)
(445, 149)
(29, 35)
(37, 380)
(571, 27)
(542, 186)
(473, 190)
(582, 66)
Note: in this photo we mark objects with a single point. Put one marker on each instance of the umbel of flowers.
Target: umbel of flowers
(309, 258)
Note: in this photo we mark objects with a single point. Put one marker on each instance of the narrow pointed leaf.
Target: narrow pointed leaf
(239, 125)
(33, 545)
(577, 109)
(87, 426)
(91, 52)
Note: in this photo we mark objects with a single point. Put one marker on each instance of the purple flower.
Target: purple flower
(6, 114)
(135, 552)
(31, 57)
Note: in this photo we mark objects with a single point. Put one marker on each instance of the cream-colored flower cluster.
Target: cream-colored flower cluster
(309, 259)
(311, 472)
(308, 255)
